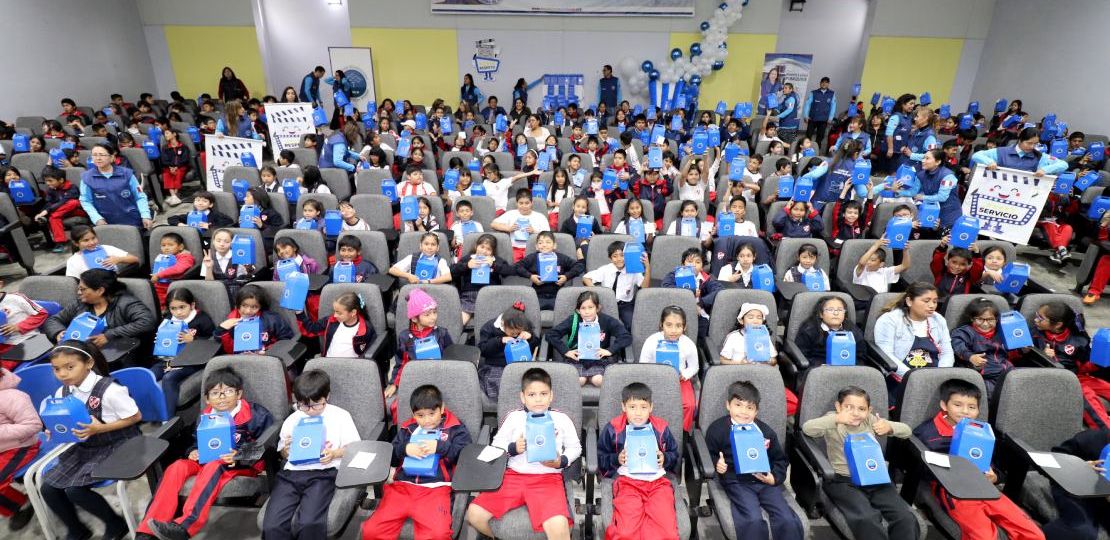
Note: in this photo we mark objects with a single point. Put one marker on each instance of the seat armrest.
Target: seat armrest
(794, 355)
(591, 450)
(1033, 286)
(881, 360)
(541, 352)
(703, 461)
(815, 457)
(288, 351)
(483, 435)
(858, 292)
(57, 270)
(1039, 358)
(462, 351)
(377, 429)
(169, 429)
(789, 289)
(131, 459)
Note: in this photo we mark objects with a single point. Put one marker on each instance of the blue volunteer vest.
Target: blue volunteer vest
(1008, 157)
(822, 104)
(833, 181)
(790, 121)
(315, 85)
(327, 160)
(902, 132)
(917, 139)
(112, 196)
(608, 88)
(950, 209)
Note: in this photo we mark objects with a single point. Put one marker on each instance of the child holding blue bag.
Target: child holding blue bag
(807, 266)
(581, 225)
(181, 309)
(566, 338)
(346, 333)
(508, 327)
(413, 342)
(312, 216)
(424, 266)
(86, 244)
(286, 249)
(268, 219)
(671, 345)
(479, 268)
(548, 270)
(251, 303)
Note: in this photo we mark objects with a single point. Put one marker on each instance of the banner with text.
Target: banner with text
(1007, 202)
(288, 121)
(779, 69)
(224, 152)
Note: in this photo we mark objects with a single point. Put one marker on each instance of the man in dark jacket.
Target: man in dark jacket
(310, 86)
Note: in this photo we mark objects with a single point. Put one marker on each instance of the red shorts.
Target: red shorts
(542, 494)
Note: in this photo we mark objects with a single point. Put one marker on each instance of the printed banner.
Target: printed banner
(779, 69)
(358, 66)
(224, 152)
(288, 121)
(1007, 202)
(634, 8)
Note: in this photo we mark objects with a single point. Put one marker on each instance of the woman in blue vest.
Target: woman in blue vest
(838, 171)
(338, 82)
(338, 149)
(922, 137)
(938, 184)
(468, 92)
(1023, 156)
(787, 114)
(855, 133)
(236, 123)
(898, 129)
(111, 194)
(769, 85)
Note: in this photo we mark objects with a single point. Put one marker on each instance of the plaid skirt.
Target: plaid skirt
(490, 379)
(75, 466)
(467, 299)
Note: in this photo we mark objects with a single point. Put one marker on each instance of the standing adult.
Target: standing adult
(769, 85)
(520, 91)
(338, 149)
(608, 88)
(468, 92)
(898, 128)
(338, 84)
(819, 110)
(231, 87)
(310, 86)
(787, 114)
(111, 195)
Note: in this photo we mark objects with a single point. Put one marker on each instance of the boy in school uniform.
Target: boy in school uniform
(751, 494)
(643, 504)
(535, 485)
(978, 520)
(509, 223)
(223, 390)
(307, 489)
(426, 500)
(624, 284)
(61, 199)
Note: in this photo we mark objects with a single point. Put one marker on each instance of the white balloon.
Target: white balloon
(628, 66)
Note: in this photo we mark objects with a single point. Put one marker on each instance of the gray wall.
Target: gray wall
(83, 50)
(1050, 57)
(835, 53)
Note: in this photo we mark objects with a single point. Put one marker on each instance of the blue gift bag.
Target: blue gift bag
(1100, 347)
(1105, 457)
(809, 152)
(427, 465)
(194, 134)
(785, 187)
(560, 118)
(898, 231)
(1014, 276)
(579, 177)
(591, 126)
(343, 272)
(521, 232)
(518, 350)
(1099, 206)
(763, 278)
(60, 416)
(1000, 105)
(305, 224)
(609, 180)
(389, 189)
(333, 222)
(451, 179)
(680, 102)
(4, 321)
(1015, 331)
(973, 440)
(242, 249)
(21, 143)
(856, 89)
(928, 214)
(151, 149)
(973, 107)
(56, 157)
(427, 267)
(539, 436)
(248, 334)
(840, 349)
(803, 189)
(861, 172)
(500, 124)
(543, 161)
(404, 147)
(749, 449)
(645, 137)
(284, 267)
(295, 292)
(1086, 181)
(736, 169)
(319, 117)
(292, 189)
(474, 165)
(583, 227)
(726, 224)
(410, 208)
(539, 190)
(866, 463)
(945, 111)
(421, 121)
(965, 231)
(247, 159)
(368, 121)
(21, 192)
(426, 348)
(468, 227)
(732, 151)
(84, 326)
(641, 449)
(247, 214)
(548, 266)
(925, 99)
(813, 281)
(636, 230)
(97, 258)
(658, 134)
(308, 440)
(1097, 151)
(772, 101)
(1064, 183)
(667, 352)
(685, 277)
(676, 123)
(888, 106)
(589, 340)
(688, 227)
(722, 108)
(742, 110)
(700, 143)
(481, 274)
(215, 436)
(162, 262)
(239, 187)
(966, 121)
(757, 343)
(714, 138)
(521, 149)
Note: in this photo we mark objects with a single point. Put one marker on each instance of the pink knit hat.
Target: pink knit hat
(419, 302)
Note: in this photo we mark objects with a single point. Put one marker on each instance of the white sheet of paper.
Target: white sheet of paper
(1047, 461)
(362, 460)
(490, 453)
(938, 459)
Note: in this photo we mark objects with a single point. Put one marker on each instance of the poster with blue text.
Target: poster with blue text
(779, 69)
(621, 8)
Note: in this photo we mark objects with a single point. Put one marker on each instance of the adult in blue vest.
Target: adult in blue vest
(787, 114)
(839, 171)
(1023, 156)
(236, 123)
(898, 128)
(922, 137)
(608, 88)
(111, 195)
(468, 92)
(938, 184)
(820, 108)
(310, 86)
(338, 147)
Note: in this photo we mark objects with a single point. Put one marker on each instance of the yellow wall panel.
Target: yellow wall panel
(417, 64)
(739, 79)
(900, 65)
(199, 54)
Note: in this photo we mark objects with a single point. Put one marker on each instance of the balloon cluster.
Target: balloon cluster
(704, 57)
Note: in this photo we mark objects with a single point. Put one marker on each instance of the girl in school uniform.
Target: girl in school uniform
(672, 330)
(312, 216)
(703, 231)
(429, 251)
(735, 348)
(561, 187)
(85, 242)
(24, 317)
(286, 248)
(492, 338)
(181, 306)
(82, 370)
(613, 339)
(635, 210)
(269, 220)
(218, 265)
(580, 209)
(251, 302)
(346, 333)
(484, 253)
(423, 313)
(806, 264)
(740, 272)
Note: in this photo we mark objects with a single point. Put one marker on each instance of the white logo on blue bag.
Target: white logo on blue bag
(61, 429)
(540, 440)
(1018, 332)
(214, 443)
(871, 465)
(753, 454)
(240, 253)
(975, 453)
(305, 442)
(642, 452)
(75, 335)
(844, 354)
(126, 194)
(166, 342)
(246, 336)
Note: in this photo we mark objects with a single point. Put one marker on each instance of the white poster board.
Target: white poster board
(1007, 202)
(288, 121)
(358, 67)
(224, 152)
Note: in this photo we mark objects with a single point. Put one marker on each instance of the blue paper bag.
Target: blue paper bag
(1100, 347)
(560, 118)
(60, 416)
(421, 121)
(658, 134)
(292, 189)
(539, 436)
(21, 143)
(685, 277)
(543, 161)
(714, 137)
(636, 230)
(151, 149)
(247, 214)
(641, 449)
(866, 463)
(1086, 181)
(474, 165)
(583, 228)
(1015, 331)
(1098, 207)
(875, 98)
(757, 343)
(655, 158)
(404, 147)
(898, 231)
(97, 258)
(840, 349)
(966, 121)
(295, 292)
(427, 267)
(785, 187)
(925, 99)
(591, 126)
(426, 348)
(772, 101)
(410, 208)
(1014, 277)
(726, 224)
(732, 151)
(1105, 457)
(215, 436)
(809, 152)
(1064, 183)
(928, 214)
(343, 272)
(389, 189)
(21, 192)
(965, 231)
(700, 143)
(162, 262)
(633, 262)
(888, 106)
(813, 281)
(195, 218)
(945, 111)
(973, 440)
(742, 110)
(518, 350)
(722, 108)
(194, 134)
(749, 449)
(308, 440)
(242, 249)
(239, 187)
(521, 149)
(445, 125)
(688, 227)
(1097, 151)
(548, 266)
(284, 267)
(676, 123)
(481, 274)
(589, 340)
(1000, 105)
(521, 233)
(856, 88)
(736, 169)
(666, 352)
(609, 180)
(247, 159)
(319, 117)
(84, 326)
(861, 173)
(427, 465)
(803, 189)
(763, 278)
(500, 124)
(333, 222)
(248, 334)
(973, 107)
